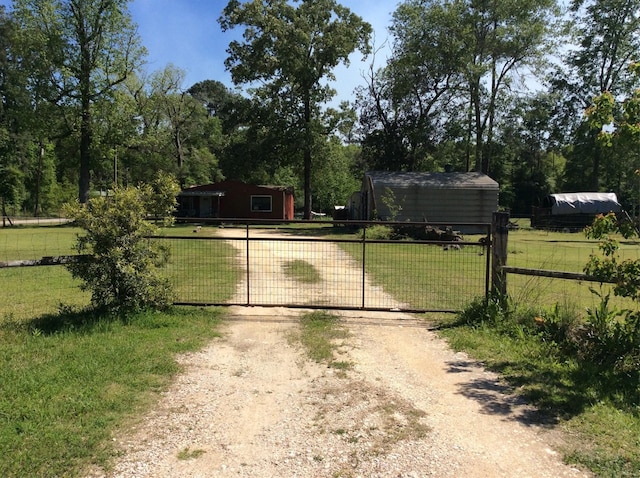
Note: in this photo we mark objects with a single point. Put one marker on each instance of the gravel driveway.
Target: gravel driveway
(252, 405)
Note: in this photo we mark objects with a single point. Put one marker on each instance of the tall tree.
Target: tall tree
(405, 102)
(500, 37)
(607, 38)
(455, 61)
(291, 48)
(92, 46)
(179, 109)
(525, 148)
(25, 114)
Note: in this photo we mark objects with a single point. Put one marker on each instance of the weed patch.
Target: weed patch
(383, 419)
(188, 454)
(302, 271)
(318, 334)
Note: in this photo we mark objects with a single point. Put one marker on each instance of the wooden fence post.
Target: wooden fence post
(500, 235)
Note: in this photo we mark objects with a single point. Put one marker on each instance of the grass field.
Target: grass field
(566, 252)
(439, 279)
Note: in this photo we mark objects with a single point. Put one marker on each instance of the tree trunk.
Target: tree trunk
(487, 151)
(84, 180)
(36, 206)
(177, 142)
(478, 122)
(307, 159)
(5, 216)
(469, 136)
(595, 178)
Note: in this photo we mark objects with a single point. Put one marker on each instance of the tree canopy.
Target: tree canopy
(498, 87)
(289, 51)
(89, 47)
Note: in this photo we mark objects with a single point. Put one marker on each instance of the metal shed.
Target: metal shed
(433, 197)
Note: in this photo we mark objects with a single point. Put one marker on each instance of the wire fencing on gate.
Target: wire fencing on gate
(294, 265)
(261, 266)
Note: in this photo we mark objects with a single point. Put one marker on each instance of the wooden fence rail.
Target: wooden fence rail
(44, 261)
(499, 269)
(552, 274)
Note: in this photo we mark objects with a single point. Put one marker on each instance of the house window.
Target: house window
(261, 203)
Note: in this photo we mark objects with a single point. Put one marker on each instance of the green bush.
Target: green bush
(612, 336)
(119, 264)
(378, 232)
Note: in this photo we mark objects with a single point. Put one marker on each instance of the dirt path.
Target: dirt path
(252, 405)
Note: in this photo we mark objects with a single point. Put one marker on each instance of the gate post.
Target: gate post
(499, 238)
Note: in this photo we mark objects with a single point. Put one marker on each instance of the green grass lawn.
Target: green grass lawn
(425, 276)
(32, 291)
(36, 242)
(566, 252)
(68, 382)
(202, 271)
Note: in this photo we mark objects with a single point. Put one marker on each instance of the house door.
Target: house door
(205, 206)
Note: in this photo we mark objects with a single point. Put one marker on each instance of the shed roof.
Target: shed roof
(471, 180)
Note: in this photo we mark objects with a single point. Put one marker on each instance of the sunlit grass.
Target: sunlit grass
(70, 381)
(21, 243)
(425, 276)
(28, 292)
(32, 291)
(202, 271)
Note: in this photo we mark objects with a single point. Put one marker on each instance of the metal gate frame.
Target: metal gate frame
(484, 244)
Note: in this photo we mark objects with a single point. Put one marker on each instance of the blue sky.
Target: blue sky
(186, 34)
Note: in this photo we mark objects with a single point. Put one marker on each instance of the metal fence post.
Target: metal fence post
(364, 263)
(248, 268)
(500, 235)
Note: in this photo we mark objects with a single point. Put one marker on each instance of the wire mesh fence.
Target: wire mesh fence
(314, 267)
(27, 292)
(561, 252)
(261, 266)
(278, 268)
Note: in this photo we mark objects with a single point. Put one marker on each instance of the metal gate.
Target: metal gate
(330, 267)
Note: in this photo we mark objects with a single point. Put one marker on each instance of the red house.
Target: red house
(236, 200)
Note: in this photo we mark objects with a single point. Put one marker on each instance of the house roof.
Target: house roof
(471, 180)
(220, 188)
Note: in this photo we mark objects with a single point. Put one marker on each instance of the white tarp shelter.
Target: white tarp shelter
(583, 203)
